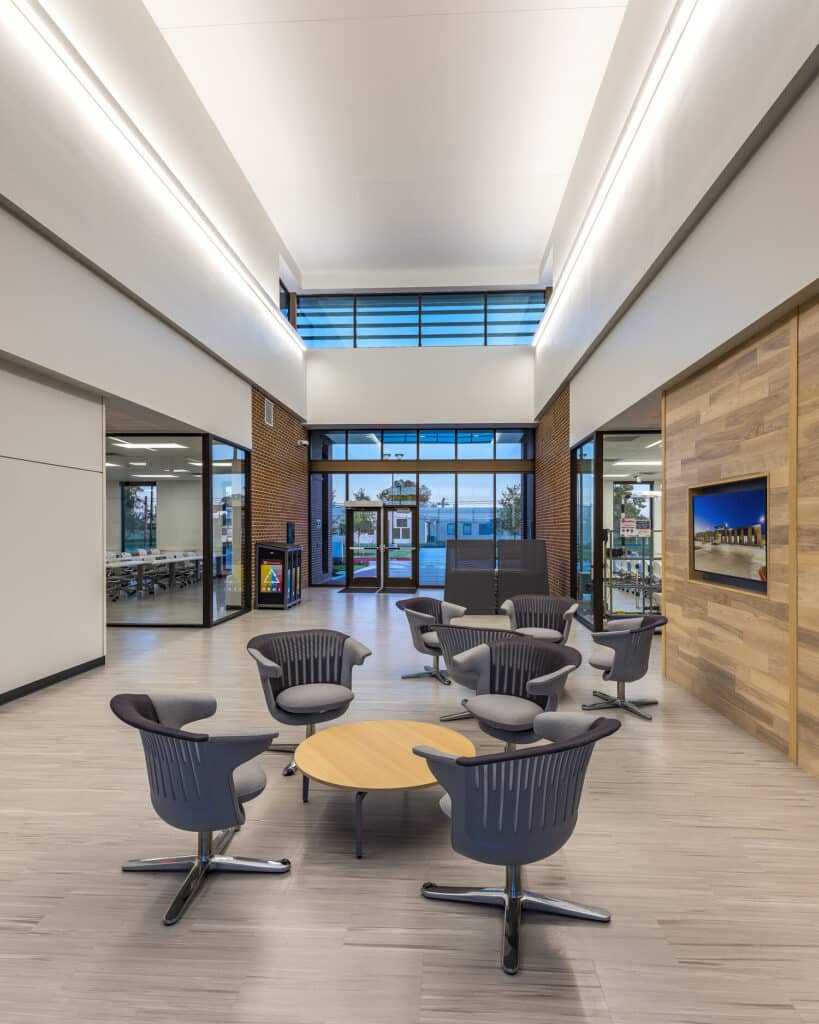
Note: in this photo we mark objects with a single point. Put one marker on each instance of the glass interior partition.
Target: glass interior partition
(632, 523)
(229, 534)
(154, 515)
(583, 468)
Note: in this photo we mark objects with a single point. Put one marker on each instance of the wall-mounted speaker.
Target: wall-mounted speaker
(291, 533)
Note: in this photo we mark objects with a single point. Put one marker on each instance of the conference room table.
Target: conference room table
(139, 562)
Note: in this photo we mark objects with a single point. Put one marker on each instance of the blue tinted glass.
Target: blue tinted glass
(400, 444)
(510, 444)
(325, 321)
(364, 444)
(476, 504)
(386, 321)
(455, 319)
(513, 317)
(475, 444)
(436, 444)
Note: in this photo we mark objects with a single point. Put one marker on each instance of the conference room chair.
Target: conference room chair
(307, 679)
(622, 654)
(198, 783)
(516, 679)
(540, 616)
(423, 615)
(454, 640)
(512, 809)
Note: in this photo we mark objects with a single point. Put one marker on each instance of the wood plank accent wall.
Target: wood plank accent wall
(553, 491)
(753, 657)
(807, 646)
(279, 486)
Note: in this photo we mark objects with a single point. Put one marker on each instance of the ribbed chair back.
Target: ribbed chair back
(457, 639)
(190, 775)
(423, 605)
(631, 659)
(513, 662)
(517, 808)
(304, 656)
(541, 612)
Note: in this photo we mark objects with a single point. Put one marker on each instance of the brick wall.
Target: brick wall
(553, 491)
(279, 486)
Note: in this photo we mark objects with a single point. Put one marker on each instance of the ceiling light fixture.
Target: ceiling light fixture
(54, 38)
(157, 446)
(654, 443)
(638, 463)
(113, 465)
(651, 83)
(137, 463)
(154, 476)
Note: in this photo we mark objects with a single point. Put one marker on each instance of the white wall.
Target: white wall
(735, 59)
(51, 522)
(65, 165)
(61, 317)
(420, 385)
(756, 248)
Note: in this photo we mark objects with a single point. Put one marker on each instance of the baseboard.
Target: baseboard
(58, 677)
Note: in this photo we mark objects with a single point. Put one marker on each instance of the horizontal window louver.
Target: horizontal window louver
(512, 317)
(326, 321)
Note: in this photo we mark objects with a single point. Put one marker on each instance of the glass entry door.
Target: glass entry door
(364, 548)
(401, 546)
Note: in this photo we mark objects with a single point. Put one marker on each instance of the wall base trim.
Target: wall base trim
(57, 677)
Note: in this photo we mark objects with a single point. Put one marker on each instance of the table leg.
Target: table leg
(359, 800)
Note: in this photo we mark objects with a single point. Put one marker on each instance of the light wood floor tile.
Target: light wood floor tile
(703, 843)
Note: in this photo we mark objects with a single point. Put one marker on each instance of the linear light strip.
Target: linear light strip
(671, 39)
(50, 33)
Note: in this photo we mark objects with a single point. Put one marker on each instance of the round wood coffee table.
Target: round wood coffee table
(369, 756)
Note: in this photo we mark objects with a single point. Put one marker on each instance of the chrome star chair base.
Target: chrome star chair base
(433, 671)
(209, 857)
(514, 899)
(620, 701)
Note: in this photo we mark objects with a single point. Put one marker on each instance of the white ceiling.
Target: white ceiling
(401, 143)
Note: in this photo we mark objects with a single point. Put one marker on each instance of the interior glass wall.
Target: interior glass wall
(632, 523)
(584, 493)
(229, 529)
(154, 516)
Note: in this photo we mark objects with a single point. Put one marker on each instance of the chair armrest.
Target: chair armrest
(354, 653)
(617, 625)
(472, 665)
(550, 685)
(450, 611)
(267, 669)
(615, 639)
(431, 754)
(508, 609)
(557, 726)
(238, 749)
(176, 711)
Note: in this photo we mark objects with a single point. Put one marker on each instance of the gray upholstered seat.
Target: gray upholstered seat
(554, 636)
(198, 783)
(314, 697)
(515, 808)
(550, 616)
(622, 652)
(505, 712)
(455, 640)
(423, 615)
(532, 672)
(601, 657)
(249, 780)
(306, 677)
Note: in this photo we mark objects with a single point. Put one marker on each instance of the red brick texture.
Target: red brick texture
(553, 503)
(279, 473)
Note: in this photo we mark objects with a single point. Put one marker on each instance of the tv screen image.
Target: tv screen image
(730, 532)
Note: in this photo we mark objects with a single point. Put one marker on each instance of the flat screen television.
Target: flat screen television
(729, 533)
